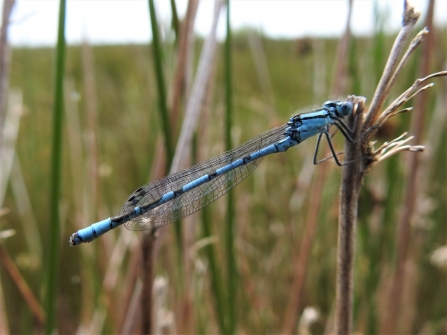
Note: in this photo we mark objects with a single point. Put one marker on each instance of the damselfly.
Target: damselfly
(183, 193)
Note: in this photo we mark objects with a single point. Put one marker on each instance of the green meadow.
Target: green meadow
(113, 142)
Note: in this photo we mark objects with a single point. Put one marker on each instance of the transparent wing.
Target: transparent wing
(197, 198)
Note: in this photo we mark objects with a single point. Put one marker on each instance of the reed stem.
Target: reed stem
(52, 284)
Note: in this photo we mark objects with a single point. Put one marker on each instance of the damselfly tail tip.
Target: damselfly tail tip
(74, 240)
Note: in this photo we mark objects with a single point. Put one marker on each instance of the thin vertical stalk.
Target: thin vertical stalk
(147, 246)
(349, 191)
(131, 289)
(4, 326)
(196, 98)
(175, 22)
(158, 66)
(231, 262)
(4, 62)
(167, 133)
(10, 136)
(148, 242)
(216, 278)
(348, 201)
(184, 52)
(55, 176)
(129, 324)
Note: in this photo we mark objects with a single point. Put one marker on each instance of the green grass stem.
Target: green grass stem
(231, 260)
(174, 21)
(163, 109)
(158, 67)
(216, 276)
(53, 254)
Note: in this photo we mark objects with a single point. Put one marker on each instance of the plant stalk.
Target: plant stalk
(53, 252)
(349, 192)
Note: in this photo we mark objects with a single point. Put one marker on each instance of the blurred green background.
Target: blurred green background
(272, 79)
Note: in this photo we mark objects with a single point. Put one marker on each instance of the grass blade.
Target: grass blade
(55, 178)
(230, 213)
(175, 22)
(216, 276)
(158, 67)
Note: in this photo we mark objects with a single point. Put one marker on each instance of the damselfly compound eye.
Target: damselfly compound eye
(345, 108)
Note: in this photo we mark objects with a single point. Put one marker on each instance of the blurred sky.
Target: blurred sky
(34, 22)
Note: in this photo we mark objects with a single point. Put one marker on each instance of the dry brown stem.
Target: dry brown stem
(350, 188)
(411, 192)
(410, 17)
(197, 96)
(364, 155)
(390, 111)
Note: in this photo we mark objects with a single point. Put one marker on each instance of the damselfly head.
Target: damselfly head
(341, 108)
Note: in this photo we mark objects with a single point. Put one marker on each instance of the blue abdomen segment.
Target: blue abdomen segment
(90, 233)
(99, 228)
(195, 183)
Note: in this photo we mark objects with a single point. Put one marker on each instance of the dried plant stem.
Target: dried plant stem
(4, 327)
(129, 291)
(191, 118)
(10, 135)
(413, 45)
(4, 62)
(402, 99)
(147, 279)
(181, 87)
(197, 95)
(184, 53)
(350, 188)
(129, 323)
(22, 286)
(410, 18)
(411, 192)
(354, 172)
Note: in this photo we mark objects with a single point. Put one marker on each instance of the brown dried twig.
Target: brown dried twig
(410, 17)
(364, 156)
(390, 111)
